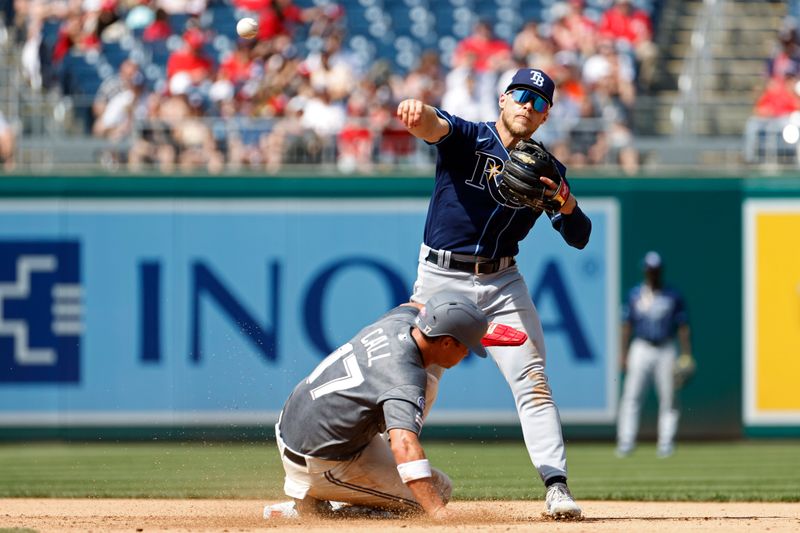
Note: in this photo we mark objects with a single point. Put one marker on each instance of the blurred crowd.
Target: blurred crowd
(8, 140)
(781, 93)
(299, 93)
(773, 132)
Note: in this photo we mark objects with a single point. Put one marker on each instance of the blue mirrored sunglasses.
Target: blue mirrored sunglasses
(523, 96)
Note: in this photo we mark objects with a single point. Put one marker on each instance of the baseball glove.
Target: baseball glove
(684, 369)
(519, 181)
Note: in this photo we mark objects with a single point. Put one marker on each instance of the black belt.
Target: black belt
(662, 342)
(293, 457)
(474, 267)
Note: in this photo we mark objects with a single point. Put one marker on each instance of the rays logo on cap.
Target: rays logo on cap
(537, 78)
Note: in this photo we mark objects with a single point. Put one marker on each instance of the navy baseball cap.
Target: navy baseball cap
(535, 80)
(652, 260)
(451, 313)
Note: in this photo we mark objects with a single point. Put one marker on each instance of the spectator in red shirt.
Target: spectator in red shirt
(484, 45)
(622, 22)
(251, 5)
(355, 140)
(238, 66)
(75, 33)
(160, 29)
(633, 28)
(190, 57)
(68, 34)
(780, 96)
(279, 18)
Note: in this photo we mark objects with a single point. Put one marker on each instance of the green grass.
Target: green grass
(741, 471)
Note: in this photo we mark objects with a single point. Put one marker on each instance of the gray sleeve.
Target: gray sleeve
(402, 408)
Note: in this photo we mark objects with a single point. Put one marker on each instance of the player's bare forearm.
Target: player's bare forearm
(684, 337)
(625, 339)
(406, 448)
(421, 120)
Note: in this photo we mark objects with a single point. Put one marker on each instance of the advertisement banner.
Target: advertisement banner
(181, 312)
(772, 313)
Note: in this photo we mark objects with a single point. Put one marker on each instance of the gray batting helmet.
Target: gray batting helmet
(451, 313)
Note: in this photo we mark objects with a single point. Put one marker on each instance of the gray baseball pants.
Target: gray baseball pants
(369, 479)
(505, 298)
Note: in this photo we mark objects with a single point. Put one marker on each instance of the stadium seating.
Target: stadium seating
(395, 30)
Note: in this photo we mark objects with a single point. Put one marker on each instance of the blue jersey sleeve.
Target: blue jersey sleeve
(461, 131)
(575, 228)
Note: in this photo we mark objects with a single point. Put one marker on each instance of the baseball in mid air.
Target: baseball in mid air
(247, 28)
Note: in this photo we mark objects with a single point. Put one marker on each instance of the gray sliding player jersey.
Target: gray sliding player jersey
(371, 384)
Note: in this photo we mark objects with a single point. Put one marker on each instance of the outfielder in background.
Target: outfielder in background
(653, 316)
(472, 233)
(331, 431)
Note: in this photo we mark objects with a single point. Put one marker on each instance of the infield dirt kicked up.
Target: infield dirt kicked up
(101, 515)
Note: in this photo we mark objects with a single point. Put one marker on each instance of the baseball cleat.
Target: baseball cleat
(559, 503)
(281, 510)
(622, 453)
(665, 452)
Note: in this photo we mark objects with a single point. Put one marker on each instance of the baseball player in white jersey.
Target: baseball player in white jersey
(652, 317)
(472, 234)
(329, 434)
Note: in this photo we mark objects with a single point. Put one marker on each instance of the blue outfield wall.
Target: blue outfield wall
(195, 303)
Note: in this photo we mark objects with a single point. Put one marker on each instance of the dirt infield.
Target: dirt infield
(47, 515)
